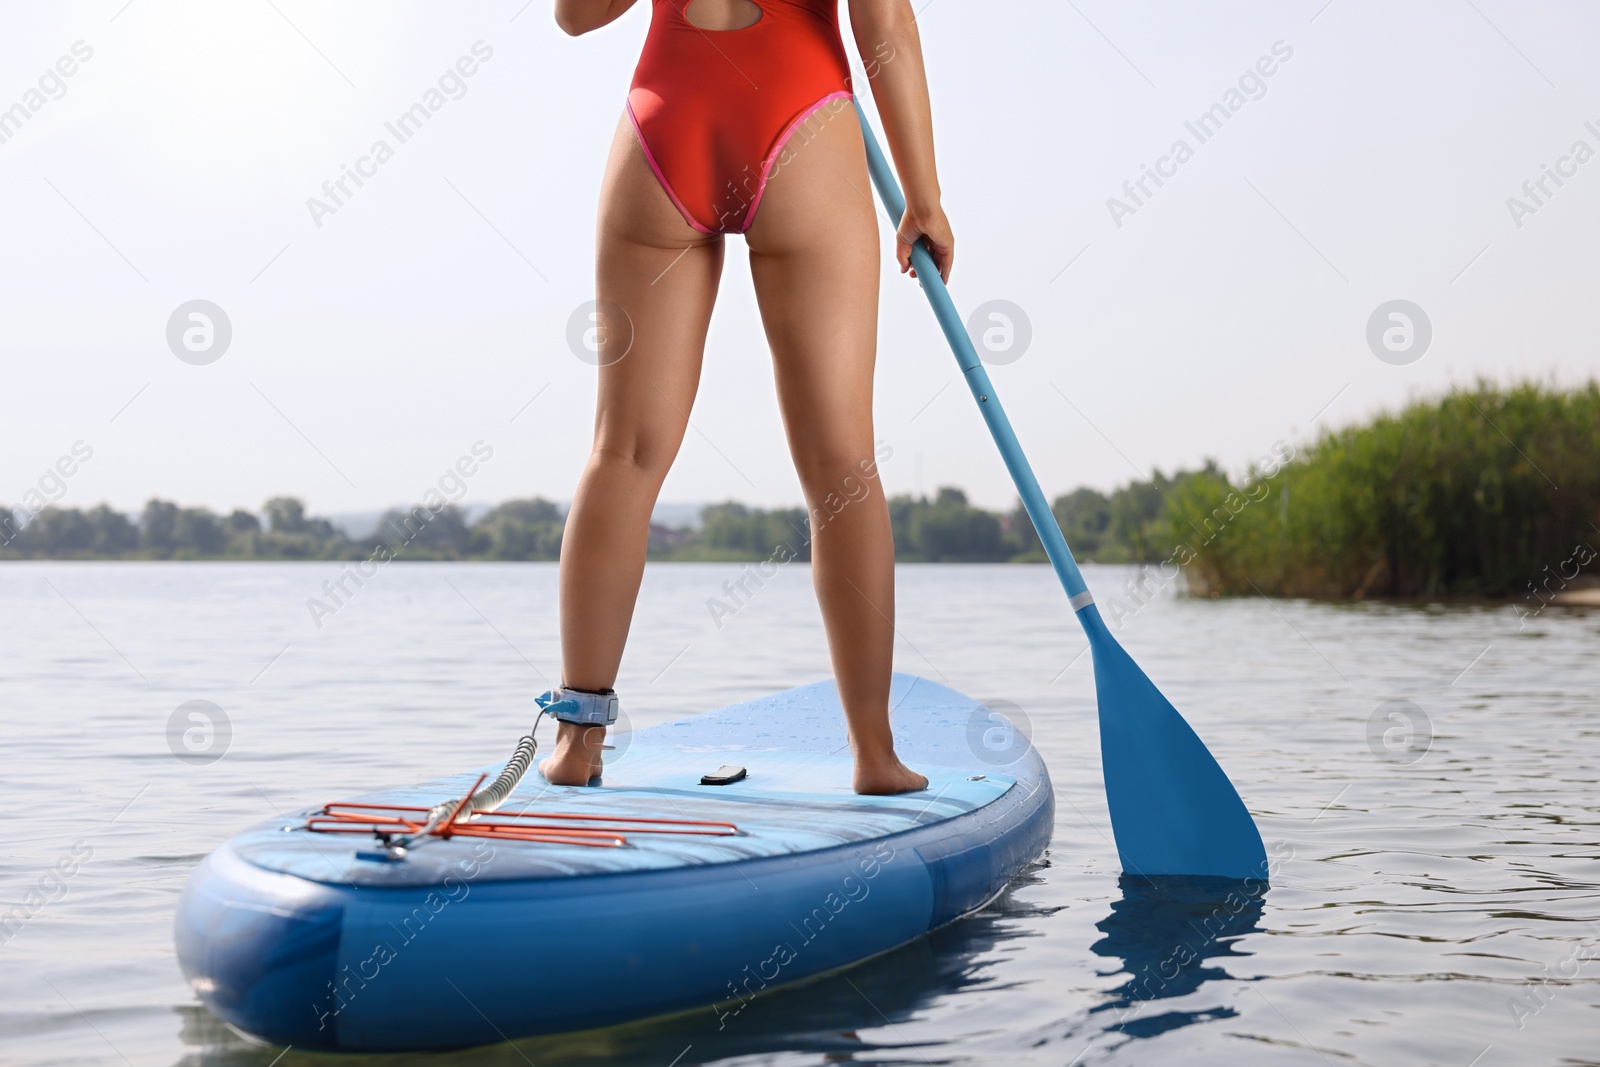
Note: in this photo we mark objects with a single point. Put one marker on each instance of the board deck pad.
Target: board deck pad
(797, 797)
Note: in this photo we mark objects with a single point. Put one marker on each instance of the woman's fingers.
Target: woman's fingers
(934, 233)
(944, 256)
(941, 242)
(905, 238)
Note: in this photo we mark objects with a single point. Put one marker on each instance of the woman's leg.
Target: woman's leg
(814, 258)
(662, 273)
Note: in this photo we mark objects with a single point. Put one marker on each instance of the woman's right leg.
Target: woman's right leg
(814, 261)
(662, 274)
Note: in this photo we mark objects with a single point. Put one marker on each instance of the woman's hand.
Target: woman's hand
(931, 226)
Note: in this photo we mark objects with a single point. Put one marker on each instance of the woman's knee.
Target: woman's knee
(838, 473)
(645, 457)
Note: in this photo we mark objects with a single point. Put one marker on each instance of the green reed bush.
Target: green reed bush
(1472, 493)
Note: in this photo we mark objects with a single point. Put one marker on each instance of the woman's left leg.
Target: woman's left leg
(814, 259)
(663, 275)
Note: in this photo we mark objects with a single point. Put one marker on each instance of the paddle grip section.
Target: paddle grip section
(955, 331)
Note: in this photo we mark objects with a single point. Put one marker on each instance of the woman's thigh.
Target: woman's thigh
(814, 257)
(656, 280)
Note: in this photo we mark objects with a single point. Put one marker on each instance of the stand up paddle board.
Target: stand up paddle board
(676, 884)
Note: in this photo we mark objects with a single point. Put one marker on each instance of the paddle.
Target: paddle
(1173, 811)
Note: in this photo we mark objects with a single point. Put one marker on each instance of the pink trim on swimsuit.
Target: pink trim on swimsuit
(783, 141)
(660, 177)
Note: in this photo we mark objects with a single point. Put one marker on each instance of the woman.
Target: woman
(739, 121)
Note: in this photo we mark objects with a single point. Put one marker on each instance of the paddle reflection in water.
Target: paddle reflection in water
(1164, 930)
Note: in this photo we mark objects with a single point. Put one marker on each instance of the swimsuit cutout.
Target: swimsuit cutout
(714, 109)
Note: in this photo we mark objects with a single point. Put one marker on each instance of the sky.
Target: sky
(372, 346)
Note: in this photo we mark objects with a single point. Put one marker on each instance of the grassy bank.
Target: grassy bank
(1482, 492)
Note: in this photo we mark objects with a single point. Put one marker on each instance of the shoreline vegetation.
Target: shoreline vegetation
(1488, 492)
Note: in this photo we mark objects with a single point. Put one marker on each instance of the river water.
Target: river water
(1425, 778)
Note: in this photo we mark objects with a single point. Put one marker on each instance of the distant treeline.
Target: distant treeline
(516, 530)
(942, 529)
(1487, 491)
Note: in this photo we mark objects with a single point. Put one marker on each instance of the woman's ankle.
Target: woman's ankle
(580, 737)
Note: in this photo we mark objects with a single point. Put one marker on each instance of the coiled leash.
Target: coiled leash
(587, 707)
(398, 827)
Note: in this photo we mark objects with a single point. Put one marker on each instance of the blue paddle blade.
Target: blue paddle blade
(1173, 811)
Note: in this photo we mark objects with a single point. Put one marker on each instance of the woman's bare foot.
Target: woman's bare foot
(886, 776)
(577, 757)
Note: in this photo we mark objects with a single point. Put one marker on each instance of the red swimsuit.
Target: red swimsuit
(714, 108)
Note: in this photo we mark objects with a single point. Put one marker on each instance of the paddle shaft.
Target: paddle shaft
(944, 309)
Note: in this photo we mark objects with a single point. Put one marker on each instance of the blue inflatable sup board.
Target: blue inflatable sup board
(328, 940)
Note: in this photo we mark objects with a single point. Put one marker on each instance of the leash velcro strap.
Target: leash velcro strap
(580, 706)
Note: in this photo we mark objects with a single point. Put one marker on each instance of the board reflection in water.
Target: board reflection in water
(1171, 935)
